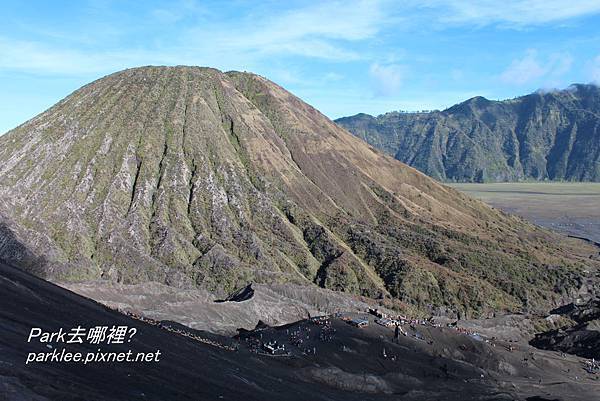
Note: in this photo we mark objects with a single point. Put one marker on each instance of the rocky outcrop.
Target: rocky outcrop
(580, 337)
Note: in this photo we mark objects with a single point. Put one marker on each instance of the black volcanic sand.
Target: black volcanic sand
(439, 365)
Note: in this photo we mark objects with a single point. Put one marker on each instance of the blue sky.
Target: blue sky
(342, 57)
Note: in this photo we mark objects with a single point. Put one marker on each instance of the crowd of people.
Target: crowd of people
(275, 348)
(592, 366)
(301, 337)
(179, 331)
(399, 321)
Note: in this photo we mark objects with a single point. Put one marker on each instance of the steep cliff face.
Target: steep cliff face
(542, 136)
(193, 177)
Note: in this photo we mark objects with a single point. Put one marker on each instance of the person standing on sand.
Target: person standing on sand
(397, 333)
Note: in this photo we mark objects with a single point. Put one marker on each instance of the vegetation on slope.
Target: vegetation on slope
(191, 177)
(541, 136)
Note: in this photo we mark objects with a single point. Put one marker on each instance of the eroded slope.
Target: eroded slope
(191, 177)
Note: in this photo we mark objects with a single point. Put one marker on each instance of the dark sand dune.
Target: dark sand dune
(440, 364)
(581, 337)
(188, 370)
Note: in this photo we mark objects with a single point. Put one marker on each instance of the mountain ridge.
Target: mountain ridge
(546, 135)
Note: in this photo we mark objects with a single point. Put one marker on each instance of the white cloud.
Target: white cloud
(594, 70)
(387, 79)
(559, 64)
(332, 76)
(513, 12)
(355, 20)
(457, 74)
(167, 16)
(522, 71)
(39, 58)
(530, 68)
(321, 31)
(327, 31)
(317, 31)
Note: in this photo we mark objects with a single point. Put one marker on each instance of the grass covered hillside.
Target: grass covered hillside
(196, 178)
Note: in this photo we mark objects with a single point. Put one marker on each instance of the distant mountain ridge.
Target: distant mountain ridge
(541, 136)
